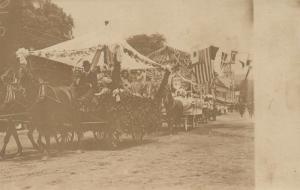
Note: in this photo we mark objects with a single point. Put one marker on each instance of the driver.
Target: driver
(88, 78)
(87, 81)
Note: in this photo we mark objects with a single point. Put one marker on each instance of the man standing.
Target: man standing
(88, 78)
(87, 82)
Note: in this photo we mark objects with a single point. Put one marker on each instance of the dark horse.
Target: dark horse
(174, 108)
(54, 112)
(138, 115)
(14, 102)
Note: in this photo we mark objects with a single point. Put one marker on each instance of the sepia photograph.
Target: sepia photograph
(138, 94)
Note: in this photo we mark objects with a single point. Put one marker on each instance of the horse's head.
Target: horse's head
(10, 93)
(42, 90)
(26, 83)
(11, 86)
(13, 98)
(47, 92)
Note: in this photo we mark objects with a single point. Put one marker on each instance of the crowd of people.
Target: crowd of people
(96, 81)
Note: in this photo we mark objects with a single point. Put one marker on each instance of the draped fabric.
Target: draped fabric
(108, 56)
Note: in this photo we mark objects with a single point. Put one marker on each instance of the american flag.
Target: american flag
(202, 64)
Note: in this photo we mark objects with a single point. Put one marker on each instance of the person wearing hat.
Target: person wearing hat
(88, 78)
(87, 81)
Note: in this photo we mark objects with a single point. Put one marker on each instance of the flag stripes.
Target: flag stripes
(203, 69)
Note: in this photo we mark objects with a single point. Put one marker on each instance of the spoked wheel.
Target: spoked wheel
(116, 138)
(138, 135)
(65, 137)
(99, 135)
(112, 139)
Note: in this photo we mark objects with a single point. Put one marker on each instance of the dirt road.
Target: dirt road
(219, 155)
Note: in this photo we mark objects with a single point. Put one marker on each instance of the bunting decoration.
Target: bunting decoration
(233, 55)
(248, 63)
(203, 68)
(213, 52)
(195, 57)
(96, 59)
(108, 57)
(243, 64)
(223, 60)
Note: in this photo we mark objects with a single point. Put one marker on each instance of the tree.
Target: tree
(45, 25)
(33, 27)
(145, 44)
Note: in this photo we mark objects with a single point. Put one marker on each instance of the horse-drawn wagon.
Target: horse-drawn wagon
(192, 111)
(53, 110)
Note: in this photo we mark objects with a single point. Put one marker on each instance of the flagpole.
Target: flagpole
(249, 68)
(231, 78)
(247, 74)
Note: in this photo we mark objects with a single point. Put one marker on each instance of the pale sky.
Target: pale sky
(185, 23)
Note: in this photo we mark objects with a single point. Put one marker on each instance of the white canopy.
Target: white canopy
(73, 52)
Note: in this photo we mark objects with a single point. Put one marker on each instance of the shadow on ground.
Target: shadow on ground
(88, 144)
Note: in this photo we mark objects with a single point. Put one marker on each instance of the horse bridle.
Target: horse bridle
(11, 95)
(42, 93)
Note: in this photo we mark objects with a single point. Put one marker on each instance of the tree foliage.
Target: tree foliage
(48, 24)
(145, 44)
(33, 27)
(132, 113)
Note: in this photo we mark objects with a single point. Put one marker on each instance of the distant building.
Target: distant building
(224, 91)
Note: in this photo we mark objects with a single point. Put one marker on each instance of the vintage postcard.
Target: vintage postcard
(149, 94)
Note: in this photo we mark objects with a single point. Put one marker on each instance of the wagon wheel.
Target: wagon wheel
(112, 139)
(137, 135)
(65, 137)
(116, 138)
(99, 135)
